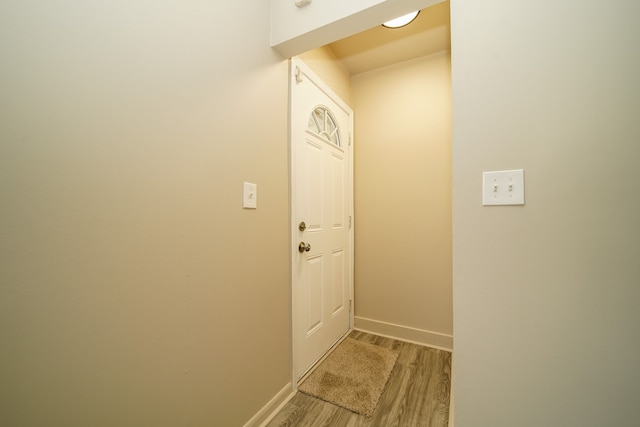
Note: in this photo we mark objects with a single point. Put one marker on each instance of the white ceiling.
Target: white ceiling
(380, 46)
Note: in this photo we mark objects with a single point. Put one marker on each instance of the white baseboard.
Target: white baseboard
(405, 333)
(266, 414)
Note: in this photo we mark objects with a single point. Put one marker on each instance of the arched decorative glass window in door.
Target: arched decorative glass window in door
(322, 123)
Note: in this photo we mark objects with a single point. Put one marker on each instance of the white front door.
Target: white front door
(322, 212)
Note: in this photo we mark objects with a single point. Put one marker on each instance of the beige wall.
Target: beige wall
(134, 289)
(546, 295)
(325, 64)
(403, 194)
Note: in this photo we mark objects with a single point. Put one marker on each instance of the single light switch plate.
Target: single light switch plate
(503, 187)
(250, 196)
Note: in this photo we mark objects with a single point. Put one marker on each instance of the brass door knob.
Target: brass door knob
(304, 247)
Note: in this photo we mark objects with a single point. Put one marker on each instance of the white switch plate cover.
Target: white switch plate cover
(503, 187)
(250, 196)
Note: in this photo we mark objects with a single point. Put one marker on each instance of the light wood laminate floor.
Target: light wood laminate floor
(417, 393)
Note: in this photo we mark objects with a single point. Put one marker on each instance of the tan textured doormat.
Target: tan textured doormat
(353, 376)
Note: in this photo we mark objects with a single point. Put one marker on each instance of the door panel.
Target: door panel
(322, 198)
(310, 187)
(338, 194)
(314, 271)
(339, 294)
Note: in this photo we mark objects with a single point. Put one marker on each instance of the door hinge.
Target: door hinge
(349, 138)
(349, 221)
(350, 304)
(298, 75)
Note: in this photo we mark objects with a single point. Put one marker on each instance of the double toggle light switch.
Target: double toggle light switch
(503, 187)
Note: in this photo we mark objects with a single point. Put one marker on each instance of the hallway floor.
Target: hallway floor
(417, 393)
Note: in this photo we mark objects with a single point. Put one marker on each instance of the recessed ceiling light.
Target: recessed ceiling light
(401, 21)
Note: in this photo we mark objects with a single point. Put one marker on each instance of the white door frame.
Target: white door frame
(294, 63)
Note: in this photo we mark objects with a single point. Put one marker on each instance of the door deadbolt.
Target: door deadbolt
(302, 226)
(304, 247)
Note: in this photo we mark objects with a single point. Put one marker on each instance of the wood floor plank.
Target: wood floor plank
(417, 393)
